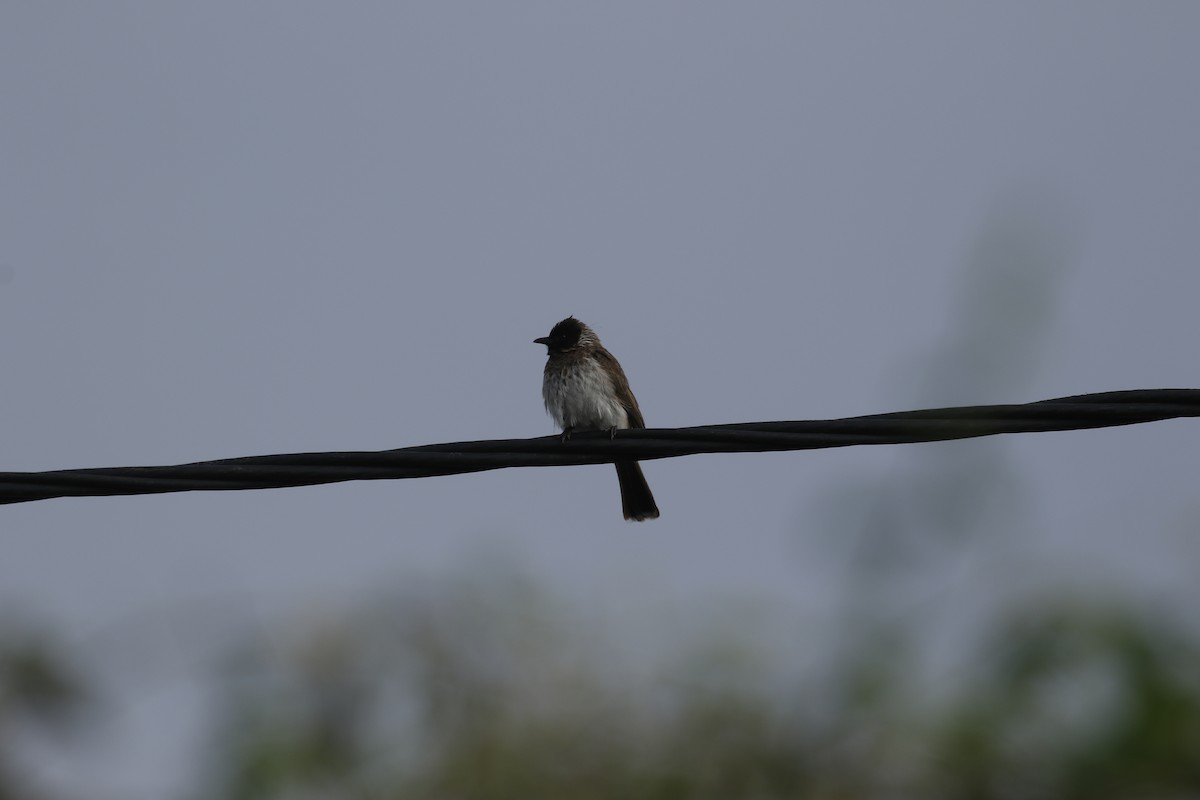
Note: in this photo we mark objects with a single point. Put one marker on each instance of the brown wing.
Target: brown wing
(621, 387)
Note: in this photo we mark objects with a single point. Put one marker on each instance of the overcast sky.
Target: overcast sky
(234, 229)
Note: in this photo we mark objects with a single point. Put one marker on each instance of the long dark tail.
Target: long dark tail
(637, 503)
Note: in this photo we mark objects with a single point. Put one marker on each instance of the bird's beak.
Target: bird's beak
(544, 340)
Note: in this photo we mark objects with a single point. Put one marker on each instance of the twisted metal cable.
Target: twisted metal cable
(1080, 412)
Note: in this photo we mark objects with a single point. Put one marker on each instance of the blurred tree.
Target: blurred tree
(1084, 701)
(39, 694)
(478, 691)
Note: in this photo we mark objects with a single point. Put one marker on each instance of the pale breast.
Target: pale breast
(580, 395)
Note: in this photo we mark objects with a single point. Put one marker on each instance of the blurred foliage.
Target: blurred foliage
(485, 687)
(474, 692)
(1081, 702)
(39, 694)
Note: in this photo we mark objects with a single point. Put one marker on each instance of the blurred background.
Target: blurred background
(231, 229)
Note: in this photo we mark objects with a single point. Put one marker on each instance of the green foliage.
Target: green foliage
(1083, 702)
(487, 688)
(493, 697)
(39, 693)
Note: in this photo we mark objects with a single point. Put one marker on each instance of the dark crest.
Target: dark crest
(565, 335)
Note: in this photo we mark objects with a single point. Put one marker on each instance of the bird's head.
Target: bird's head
(568, 335)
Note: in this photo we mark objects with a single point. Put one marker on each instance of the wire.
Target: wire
(307, 469)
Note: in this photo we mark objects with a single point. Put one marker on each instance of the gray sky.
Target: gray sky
(233, 229)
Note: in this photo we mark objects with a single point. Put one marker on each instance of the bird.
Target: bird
(584, 388)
